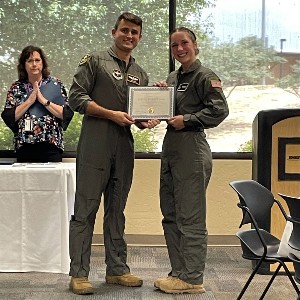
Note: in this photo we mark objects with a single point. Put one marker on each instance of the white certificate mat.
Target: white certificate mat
(147, 102)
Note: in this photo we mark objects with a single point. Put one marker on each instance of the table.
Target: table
(36, 202)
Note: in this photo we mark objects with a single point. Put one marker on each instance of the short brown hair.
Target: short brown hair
(25, 54)
(131, 18)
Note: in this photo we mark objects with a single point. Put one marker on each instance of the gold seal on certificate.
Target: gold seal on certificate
(151, 102)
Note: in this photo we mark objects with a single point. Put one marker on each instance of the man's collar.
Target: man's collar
(112, 51)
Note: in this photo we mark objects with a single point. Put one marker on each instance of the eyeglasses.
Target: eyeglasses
(33, 61)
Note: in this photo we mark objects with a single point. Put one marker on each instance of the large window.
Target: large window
(252, 45)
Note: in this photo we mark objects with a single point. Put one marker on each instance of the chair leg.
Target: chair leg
(270, 282)
(281, 264)
(288, 273)
(249, 280)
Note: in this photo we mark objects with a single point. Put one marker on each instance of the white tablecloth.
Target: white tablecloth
(36, 202)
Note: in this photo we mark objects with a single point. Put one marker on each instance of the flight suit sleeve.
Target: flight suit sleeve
(145, 79)
(215, 108)
(83, 83)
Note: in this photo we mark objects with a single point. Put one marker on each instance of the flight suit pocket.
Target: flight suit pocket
(91, 180)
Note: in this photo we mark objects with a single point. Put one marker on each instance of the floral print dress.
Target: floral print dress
(47, 128)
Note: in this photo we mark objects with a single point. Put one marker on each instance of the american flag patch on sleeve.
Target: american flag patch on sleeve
(216, 83)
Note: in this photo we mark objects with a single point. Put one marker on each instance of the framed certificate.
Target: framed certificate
(151, 102)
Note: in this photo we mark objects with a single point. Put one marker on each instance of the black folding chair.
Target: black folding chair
(258, 244)
(293, 204)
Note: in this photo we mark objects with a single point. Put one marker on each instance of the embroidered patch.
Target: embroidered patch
(215, 83)
(117, 74)
(133, 79)
(85, 59)
(182, 87)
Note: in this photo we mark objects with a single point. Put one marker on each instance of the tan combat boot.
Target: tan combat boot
(81, 286)
(126, 280)
(158, 281)
(178, 286)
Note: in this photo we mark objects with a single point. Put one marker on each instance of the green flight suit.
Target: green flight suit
(186, 167)
(105, 159)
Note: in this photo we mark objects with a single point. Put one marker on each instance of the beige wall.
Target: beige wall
(143, 213)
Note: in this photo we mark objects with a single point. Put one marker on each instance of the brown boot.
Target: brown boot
(81, 286)
(159, 280)
(178, 286)
(126, 279)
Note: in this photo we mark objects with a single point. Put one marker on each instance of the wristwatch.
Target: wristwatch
(186, 117)
(47, 103)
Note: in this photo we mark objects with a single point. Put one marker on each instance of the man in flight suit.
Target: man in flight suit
(105, 153)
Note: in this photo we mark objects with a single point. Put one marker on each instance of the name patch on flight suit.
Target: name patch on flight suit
(85, 59)
(117, 74)
(133, 79)
(182, 87)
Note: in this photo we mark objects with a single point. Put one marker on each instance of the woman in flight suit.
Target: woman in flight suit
(186, 164)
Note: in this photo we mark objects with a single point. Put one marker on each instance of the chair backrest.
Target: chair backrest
(257, 198)
(293, 204)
